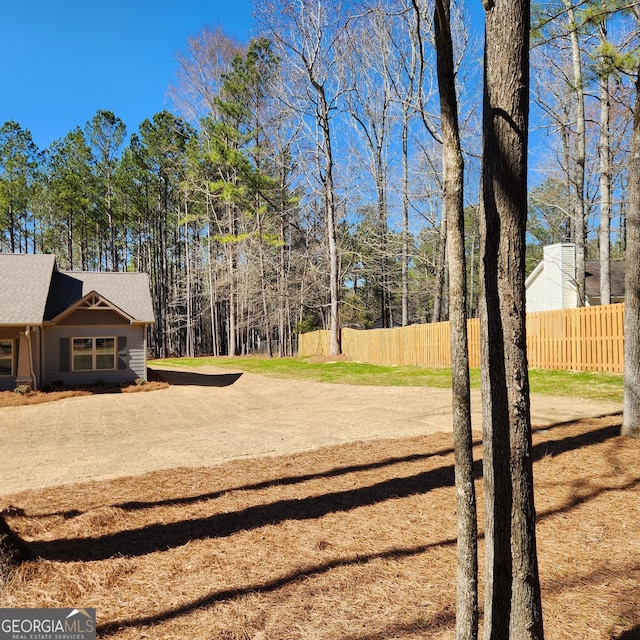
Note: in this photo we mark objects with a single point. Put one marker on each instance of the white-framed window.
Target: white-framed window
(6, 357)
(93, 354)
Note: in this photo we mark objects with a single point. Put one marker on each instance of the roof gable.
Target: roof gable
(534, 275)
(92, 301)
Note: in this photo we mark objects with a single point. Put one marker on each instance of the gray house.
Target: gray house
(70, 327)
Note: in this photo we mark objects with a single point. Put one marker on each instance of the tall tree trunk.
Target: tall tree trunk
(441, 264)
(453, 207)
(188, 294)
(604, 150)
(265, 303)
(631, 402)
(512, 597)
(568, 217)
(232, 328)
(213, 298)
(405, 218)
(578, 179)
(282, 290)
(70, 242)
(385, 288)
(331, 222)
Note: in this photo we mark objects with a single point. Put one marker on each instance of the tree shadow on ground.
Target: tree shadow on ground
(570, 443)
(162, 536)
(596, 577)
(269, 586)
(564, 423)
(335, 472)
(550, 447)
(189, 378)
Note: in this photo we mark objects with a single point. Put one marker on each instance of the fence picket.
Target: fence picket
(584, 339)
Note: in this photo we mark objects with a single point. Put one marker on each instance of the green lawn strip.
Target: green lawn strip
(354, 373)
(592, 385)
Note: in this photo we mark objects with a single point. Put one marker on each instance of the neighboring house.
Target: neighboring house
(70, 327)
(552, 284)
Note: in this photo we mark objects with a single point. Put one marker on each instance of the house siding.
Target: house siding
(535, 291)
(569, 284)
(135, 353)
(553, 286)
(93, 317)
(559, 272)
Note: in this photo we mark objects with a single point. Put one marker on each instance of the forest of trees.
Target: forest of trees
(297, 182)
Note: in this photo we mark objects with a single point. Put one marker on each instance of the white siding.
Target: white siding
(568, 266)
(535, 289)
(552, 284)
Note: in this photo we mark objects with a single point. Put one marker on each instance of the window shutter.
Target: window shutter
(122, 353)
(64, 355)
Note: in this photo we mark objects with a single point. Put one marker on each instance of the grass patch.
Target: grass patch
(337, 372)
(593, 385)
(581, 384)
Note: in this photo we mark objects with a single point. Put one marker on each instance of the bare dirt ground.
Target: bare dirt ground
(352, 541)
(209, 416)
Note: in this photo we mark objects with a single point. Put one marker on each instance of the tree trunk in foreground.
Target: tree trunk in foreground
(631, 415)
(512, 598)
(453, 204)
(12, 552)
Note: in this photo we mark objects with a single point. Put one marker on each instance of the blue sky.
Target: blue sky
(60, 62)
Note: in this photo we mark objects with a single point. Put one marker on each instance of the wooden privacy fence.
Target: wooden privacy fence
(584, 339)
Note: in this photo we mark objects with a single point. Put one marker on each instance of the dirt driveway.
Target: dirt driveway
(209, 415)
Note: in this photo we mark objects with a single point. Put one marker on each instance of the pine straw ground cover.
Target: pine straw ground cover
(27, 397)
(344, 543)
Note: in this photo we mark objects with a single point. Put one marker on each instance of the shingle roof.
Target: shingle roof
(127, 291)
(592, 278)
(24, 286)
(32, 290)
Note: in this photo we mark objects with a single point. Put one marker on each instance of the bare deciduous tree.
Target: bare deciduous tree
(200, 73)
(307, 35)
(368, 68)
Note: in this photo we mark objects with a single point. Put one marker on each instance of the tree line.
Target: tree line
(298, 181)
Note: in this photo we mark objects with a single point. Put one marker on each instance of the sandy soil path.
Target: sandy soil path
(210, 415)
